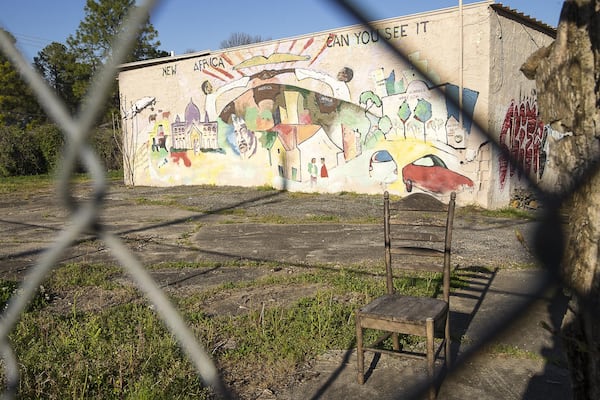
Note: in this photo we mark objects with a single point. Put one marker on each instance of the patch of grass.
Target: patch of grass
(122, 352)
(211, 264)
(302, 195)
(143, 201)
(185, 237)
(506, 212)
(239, 212)
(310, 219)
(29, 183)
(509, 350)
(280, 219)
(35, 183)
(82, 275)
(295, 333)
(272, 219)
(524, 266)
(509, 212)
(115, 175)
(323, 218)
(266, 188)
(9, 288)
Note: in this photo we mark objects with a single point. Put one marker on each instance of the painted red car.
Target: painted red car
(430, 173)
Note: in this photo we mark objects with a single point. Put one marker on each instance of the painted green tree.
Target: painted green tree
(423, 114)
(404, 114)
(369, 99)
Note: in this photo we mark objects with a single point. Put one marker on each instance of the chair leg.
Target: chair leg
(430, 356)
(360, 354)
(448, 343)
(396, 341)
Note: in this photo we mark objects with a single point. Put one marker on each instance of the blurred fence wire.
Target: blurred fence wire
(85, 214)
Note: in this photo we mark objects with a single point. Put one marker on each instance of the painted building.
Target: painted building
(341, 111)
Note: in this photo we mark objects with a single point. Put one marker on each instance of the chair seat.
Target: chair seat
(405, 309)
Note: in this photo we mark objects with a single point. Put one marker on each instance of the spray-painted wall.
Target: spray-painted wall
(514, 116)
(334, 111)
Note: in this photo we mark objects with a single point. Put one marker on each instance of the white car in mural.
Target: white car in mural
(383, 167)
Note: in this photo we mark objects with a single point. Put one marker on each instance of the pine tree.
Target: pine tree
(92, 43)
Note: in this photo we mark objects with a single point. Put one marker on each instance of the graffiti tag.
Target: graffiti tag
(523, 136)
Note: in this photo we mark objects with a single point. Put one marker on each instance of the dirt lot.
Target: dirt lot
(288, 232)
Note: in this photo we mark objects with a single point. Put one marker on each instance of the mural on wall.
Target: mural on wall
(280, 115)
(524, 136)
(430, 173)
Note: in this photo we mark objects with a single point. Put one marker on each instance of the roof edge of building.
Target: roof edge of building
(524, 18)
(497, 7)
(161, 60)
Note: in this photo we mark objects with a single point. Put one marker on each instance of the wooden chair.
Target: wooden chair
(417, 237)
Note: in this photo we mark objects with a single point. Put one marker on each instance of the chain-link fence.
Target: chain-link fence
(85, 214)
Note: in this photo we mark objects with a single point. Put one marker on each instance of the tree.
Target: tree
(566, 75)
(59, 68)
(92, 43)
(241, 39)
(18, 106)
(103, 21)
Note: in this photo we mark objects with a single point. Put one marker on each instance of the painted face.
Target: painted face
(242, 139)
(245, 140)
(207, 87)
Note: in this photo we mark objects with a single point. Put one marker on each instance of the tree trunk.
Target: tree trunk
(567, 76)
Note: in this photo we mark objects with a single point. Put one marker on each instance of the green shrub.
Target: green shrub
(37, 149)
(20, 153)
(50, 141)
(103, 142)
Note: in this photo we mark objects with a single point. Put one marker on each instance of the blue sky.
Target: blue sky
(185, 25)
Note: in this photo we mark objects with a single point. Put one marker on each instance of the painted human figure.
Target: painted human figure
(338, 85)
(324, 173)
(212, 95)
(313, 171)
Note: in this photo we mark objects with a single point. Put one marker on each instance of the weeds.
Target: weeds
(25, 184)
(82, 275)
(143, 201)
(508, 350)
(124, 351)
(506, 212)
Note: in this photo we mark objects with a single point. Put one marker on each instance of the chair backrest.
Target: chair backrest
(418, 236)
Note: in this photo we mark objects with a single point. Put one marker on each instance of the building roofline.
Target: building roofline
(497, 7)
(524, 19)
(161, 60)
